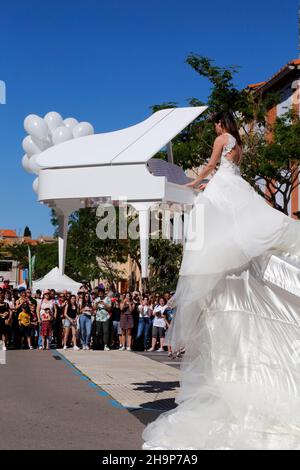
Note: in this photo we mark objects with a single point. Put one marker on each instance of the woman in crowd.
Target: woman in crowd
(85, 321)
(159, 325)
(22, 299)
(8, 298)
(46, 330)
(145, 321)
(127, 322)
(4, 318)
(34, 325)
(70, 322)
(169, 315)
(116, 328)
(61, 309)
(46, 303)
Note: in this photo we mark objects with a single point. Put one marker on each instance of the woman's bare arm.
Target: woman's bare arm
(211, 165)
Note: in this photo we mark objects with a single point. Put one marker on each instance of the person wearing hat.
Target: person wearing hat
(46, 330)
(46, 302)
(6, 284)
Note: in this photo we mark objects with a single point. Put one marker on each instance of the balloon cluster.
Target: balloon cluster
(47, 132)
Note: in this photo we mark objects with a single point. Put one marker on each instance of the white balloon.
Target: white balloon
(34, 167)
(70, 122)
(30, 147)
(83, 129)
(43, 144)
(61, 134)
(53, 121)
(36, 127)
(25, 164)
(35, 185)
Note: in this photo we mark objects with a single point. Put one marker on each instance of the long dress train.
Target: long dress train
(238, 316)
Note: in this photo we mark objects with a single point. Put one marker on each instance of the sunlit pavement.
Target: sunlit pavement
(46, 403)
(135, 380)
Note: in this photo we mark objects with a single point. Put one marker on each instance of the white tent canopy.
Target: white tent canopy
(57, 281)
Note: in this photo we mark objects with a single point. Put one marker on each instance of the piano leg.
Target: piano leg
(144, 224)
(63, 209)
(62, 240)
(186, 218)
(177, 228)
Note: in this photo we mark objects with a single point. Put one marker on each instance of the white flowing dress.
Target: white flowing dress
(238, 316)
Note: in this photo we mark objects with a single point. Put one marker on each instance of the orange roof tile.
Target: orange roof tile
(8, 233)
(255, 85)
(276, 75)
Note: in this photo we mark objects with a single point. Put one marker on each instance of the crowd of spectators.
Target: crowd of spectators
(91, 319)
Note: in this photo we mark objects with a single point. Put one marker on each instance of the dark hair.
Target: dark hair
(7, 291)
(70, 300)
(86, 303)
(228, 123)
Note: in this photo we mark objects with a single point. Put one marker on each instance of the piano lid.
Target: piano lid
(135, 144)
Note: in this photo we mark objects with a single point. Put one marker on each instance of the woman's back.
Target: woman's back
(232, 151)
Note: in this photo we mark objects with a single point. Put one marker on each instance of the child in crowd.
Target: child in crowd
(24, 320)
(46, 331)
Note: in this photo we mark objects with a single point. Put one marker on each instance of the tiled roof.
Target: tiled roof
(277, 75)
(255, 85)
(8, 233)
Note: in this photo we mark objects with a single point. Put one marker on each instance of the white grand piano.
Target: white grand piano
(115, 166)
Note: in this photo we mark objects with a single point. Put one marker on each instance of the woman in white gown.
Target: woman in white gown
(238, 316)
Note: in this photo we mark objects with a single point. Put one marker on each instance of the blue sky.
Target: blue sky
(108, 61)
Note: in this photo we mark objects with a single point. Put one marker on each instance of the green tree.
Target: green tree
(46, 257)
(274, 165)
(89, 257)
(165, 259)
(19, 252)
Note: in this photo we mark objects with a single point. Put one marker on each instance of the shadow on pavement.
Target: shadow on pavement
(151, 410)
(156, 386)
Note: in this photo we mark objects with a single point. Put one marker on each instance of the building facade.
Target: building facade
(286, 83)
(11, 269)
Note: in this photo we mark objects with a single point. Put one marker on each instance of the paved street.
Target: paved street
(45, 405)
(82, 400)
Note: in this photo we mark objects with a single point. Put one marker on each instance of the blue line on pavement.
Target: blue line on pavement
(91, 384)
(100, 391)
(116, 404)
